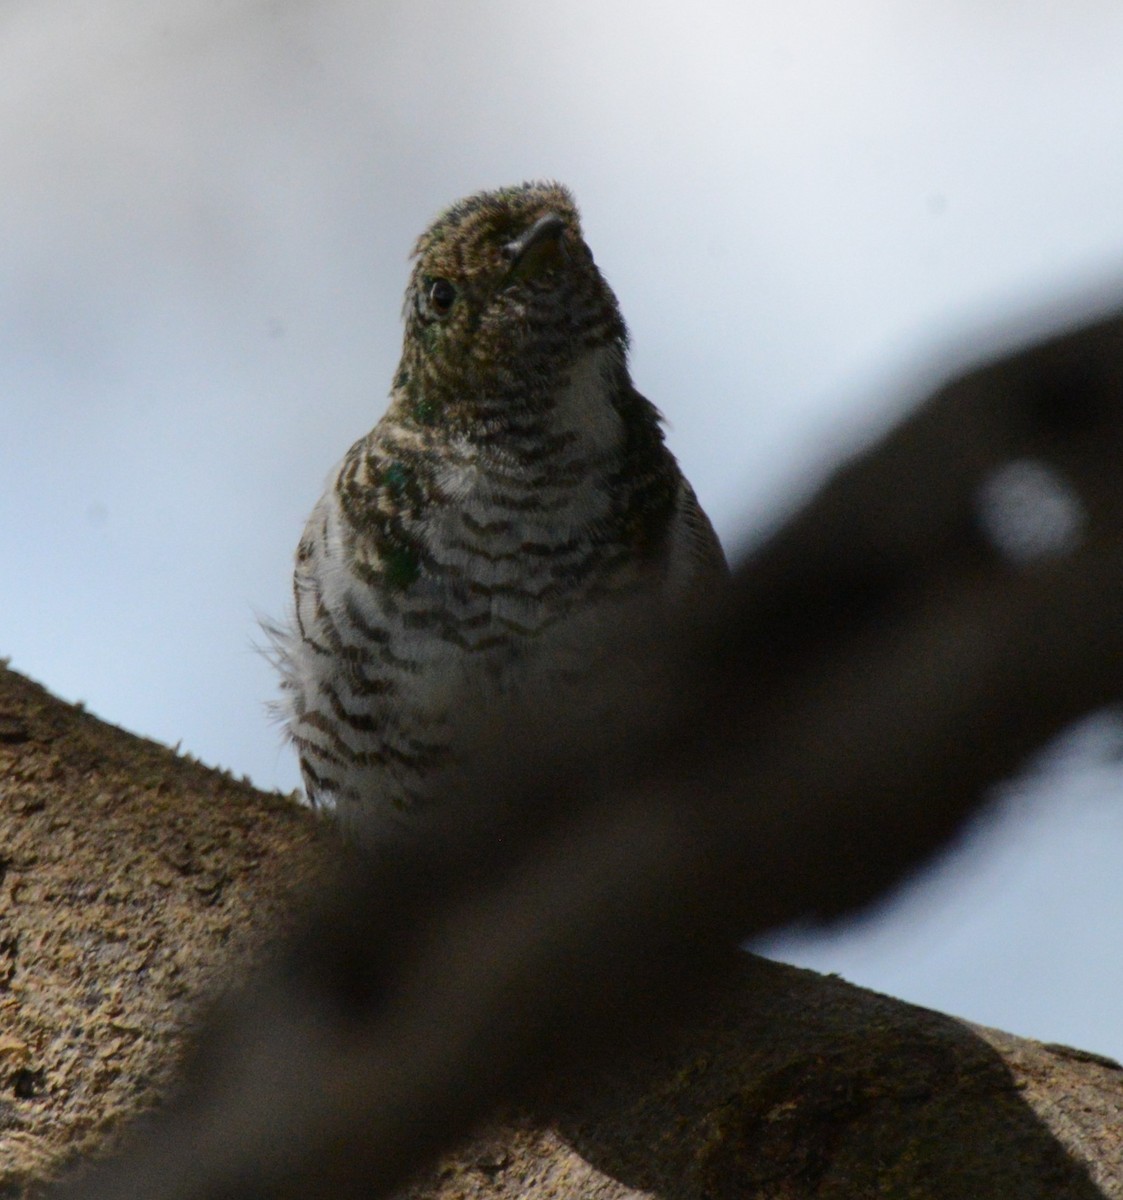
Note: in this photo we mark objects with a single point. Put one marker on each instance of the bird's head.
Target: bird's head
(504, 295)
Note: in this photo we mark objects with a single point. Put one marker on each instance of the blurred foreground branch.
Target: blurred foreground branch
(948, 601)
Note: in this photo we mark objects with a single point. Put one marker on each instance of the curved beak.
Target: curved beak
(538, 248)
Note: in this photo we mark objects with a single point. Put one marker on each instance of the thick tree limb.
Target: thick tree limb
(791, 1085)
(891, 652)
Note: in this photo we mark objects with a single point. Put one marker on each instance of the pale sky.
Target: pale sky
(803, 208)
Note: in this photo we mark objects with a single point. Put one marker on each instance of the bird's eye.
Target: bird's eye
(441, 296)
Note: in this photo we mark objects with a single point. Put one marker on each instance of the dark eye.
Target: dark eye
(441, 296)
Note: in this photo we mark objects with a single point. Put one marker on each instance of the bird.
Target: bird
(472, 545)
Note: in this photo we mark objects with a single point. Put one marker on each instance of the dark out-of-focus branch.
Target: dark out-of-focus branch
(950, 599)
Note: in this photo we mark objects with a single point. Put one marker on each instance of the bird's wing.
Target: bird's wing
(696, 560)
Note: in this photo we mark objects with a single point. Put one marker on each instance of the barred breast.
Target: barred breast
(437, 574)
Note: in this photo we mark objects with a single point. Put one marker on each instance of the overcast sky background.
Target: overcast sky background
(805, 208)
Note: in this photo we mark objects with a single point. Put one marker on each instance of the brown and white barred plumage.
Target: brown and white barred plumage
(471, 545)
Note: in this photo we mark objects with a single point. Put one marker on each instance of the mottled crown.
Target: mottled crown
(503, 296)
(469, 235)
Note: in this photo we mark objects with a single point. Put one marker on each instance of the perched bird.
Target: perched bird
(470, 546)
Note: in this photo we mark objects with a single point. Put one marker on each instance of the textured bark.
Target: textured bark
(135, 881)
(794, 1085)
(130, 880)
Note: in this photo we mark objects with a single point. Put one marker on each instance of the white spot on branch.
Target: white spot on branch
(1028, 510)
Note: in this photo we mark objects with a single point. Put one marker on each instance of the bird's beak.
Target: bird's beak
(538, 249)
